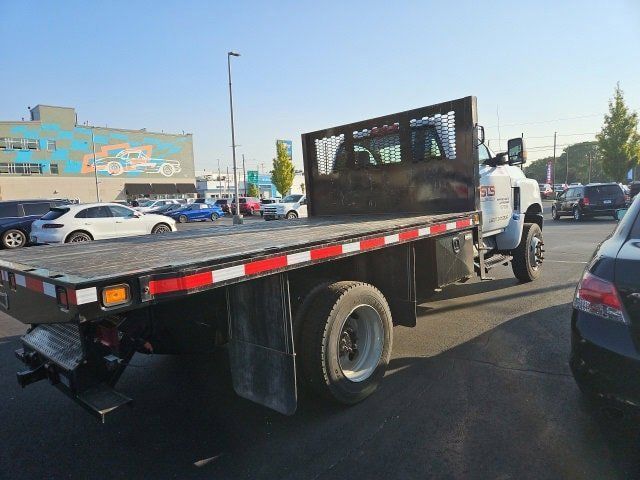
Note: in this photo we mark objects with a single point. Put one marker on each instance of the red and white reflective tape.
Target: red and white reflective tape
(75, 297)
(207, 278)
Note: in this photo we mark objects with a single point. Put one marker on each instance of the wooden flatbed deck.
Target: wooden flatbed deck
(79, 263)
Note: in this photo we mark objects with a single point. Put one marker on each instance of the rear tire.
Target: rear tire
(345, 341)
(214, 217)
(554, 213)
(527, 257)
(577, 214)
(14, 238)
(78, 237)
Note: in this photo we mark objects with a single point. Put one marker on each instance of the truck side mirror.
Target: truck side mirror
(516, 151)
(480, 129)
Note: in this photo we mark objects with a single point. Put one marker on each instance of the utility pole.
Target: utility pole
(554, 159)
(244, 176)
(589, 157)
(566, 177)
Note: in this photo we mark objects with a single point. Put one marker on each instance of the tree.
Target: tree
(253, 190)
(618, 141)
(578, 154)
(283, 170)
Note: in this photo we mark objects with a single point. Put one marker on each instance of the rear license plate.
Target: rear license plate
(606, 202)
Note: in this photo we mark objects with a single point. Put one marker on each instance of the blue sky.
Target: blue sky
(545, 66)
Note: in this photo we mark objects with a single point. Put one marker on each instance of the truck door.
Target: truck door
(495, 193)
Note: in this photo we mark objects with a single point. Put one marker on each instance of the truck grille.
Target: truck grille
(270, 210)
(58, 342)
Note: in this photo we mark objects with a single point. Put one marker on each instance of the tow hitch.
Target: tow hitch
(57, 352)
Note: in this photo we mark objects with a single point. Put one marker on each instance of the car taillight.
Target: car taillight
(598, 296)
(585, 201)
(52, 225)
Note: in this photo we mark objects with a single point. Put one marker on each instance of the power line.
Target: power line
(547, 121)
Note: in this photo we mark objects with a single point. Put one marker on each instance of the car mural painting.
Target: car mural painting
(117, 159)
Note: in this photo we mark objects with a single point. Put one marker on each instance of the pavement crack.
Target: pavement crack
(515, 369)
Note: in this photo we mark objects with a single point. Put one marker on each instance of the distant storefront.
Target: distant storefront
(51, 156)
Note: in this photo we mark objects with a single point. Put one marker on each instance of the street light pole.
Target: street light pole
(95, 165)
(237, 219)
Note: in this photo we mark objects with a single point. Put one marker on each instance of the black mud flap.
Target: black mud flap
(55, 352)
(261, 348)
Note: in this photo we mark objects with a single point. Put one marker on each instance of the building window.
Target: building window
(19, 144)
(53, 168)
(51, 145)
(21, 168)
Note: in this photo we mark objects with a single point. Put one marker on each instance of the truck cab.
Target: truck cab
(508, 199)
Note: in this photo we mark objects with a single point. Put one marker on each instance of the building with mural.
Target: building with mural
(51, 156)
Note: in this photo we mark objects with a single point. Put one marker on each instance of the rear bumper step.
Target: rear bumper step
(56, 352)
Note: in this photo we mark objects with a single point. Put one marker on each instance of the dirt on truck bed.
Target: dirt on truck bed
(209, 246)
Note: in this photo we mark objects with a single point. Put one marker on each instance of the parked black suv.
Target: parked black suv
(592, 200)
(16, 217)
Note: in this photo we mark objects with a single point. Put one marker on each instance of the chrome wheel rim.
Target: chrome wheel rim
(162, 229)
(535, 252)
(14, 239)
(360, 343)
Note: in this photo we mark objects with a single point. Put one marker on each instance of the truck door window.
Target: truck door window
(483, 153)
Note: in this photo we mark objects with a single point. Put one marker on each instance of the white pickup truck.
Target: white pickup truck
(292, 206)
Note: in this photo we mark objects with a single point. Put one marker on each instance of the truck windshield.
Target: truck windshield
(292, 199)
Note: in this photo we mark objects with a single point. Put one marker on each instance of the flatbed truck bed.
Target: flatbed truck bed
(82, 264)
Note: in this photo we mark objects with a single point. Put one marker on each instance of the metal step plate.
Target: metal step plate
(58, 342)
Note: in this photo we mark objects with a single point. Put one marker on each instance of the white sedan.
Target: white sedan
(96, 221)
(148, 205)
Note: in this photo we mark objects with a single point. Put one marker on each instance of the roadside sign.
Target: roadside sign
(252, 176)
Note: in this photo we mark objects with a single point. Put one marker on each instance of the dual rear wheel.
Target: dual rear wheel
(344, 333)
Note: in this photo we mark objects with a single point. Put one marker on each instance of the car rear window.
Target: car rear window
(604, 191)
(54, 213)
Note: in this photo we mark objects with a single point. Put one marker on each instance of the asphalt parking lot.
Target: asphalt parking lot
(479, 389)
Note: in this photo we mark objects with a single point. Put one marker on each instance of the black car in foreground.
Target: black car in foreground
(592, 200)
(16, 217)
(605, 324)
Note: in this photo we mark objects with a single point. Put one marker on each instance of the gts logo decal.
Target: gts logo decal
(488, 191)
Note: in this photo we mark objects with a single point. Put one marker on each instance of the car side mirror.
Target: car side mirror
(620, 213)
(516, 151)
(480, 130)
(137, 214)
